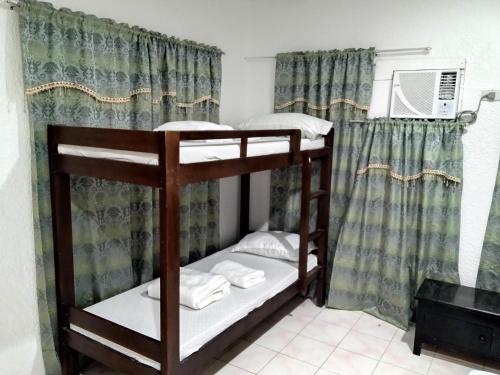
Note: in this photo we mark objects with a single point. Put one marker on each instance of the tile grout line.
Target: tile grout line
(296, 335)
(335, 346)
(385, 350)
(293, 338)
(258, 372)
(415, 372)
(392, 340)
(400, 367)
(338, 344)
(241, 368)
(380, 360)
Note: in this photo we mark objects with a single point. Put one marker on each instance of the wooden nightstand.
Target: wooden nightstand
(458, 318)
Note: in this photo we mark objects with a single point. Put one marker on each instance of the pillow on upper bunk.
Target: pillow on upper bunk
(272, 244)
(311, 127)
(192, 126)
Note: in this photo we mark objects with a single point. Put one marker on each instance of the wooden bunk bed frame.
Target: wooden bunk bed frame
(169, 176)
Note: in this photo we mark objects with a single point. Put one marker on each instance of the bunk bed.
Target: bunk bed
(144, 338)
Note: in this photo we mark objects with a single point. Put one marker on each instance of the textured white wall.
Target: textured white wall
(457, 31)
(20, 351)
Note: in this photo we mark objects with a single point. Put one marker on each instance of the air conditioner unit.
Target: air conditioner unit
(428, 94)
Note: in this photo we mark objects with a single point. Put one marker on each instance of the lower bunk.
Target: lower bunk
(207, 332)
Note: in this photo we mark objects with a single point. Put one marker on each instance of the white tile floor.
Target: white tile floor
(320, 341)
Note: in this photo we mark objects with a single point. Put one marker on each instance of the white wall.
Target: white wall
(20, 351)
(457, 31)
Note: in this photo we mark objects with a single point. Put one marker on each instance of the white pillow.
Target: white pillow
(311, 127)
(192, 126)
(272, 244)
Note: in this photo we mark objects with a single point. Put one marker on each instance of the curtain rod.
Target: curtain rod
(379, 52)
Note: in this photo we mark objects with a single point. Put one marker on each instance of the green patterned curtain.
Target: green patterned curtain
(489, 269)
(83, 71)
(332, 85)
(395, 205)
(402, 219)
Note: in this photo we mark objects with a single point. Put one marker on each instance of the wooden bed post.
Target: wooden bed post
(323, 218)
(60, 196)
(169, 253)
(305, 203)
(244, 194)
(244, 205)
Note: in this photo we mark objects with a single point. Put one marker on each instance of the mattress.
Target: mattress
(195, 151)
(135, 310)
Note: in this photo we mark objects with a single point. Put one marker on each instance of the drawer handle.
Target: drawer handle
(482, 338)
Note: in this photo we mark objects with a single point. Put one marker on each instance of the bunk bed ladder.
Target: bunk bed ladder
(320, 235)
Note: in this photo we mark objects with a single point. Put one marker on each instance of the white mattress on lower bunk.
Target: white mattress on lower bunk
(135, 310)
(195, 152)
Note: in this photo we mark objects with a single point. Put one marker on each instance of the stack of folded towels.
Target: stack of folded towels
(199, 289)
(238, 274)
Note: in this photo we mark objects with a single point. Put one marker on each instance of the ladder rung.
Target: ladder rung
(316, 234)
(318, 194)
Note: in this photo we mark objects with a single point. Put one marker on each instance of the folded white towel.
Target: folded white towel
(197, 289)
(238, 274)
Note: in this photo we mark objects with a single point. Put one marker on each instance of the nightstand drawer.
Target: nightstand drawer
(448, 329)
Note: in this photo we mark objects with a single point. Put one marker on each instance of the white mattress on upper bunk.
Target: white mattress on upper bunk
(134, 309)
(195, 151)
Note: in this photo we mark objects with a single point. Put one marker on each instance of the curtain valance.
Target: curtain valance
(112, 62)
(395, 150)
(333, 84)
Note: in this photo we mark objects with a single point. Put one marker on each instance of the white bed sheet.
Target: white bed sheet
(196, 152)
(135, 310)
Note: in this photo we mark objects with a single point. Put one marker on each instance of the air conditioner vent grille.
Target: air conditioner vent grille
(418, 88)
(401, 109)
(447, 85)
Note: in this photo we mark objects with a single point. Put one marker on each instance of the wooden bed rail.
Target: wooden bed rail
(160, 143)
(229, 134)
(116, 139)
(151, 141)
(116, 333)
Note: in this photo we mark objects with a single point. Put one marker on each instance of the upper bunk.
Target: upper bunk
(147, 157)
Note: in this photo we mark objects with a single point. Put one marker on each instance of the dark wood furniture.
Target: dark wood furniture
(458, 318)
(169, 176)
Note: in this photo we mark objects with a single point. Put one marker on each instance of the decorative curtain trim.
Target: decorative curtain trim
(397, 176)
(322, 107)
(114, 100)
(197, 101)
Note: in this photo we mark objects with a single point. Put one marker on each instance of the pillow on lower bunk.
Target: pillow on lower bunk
(311, 127)
(272, 244)
(192, 126)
